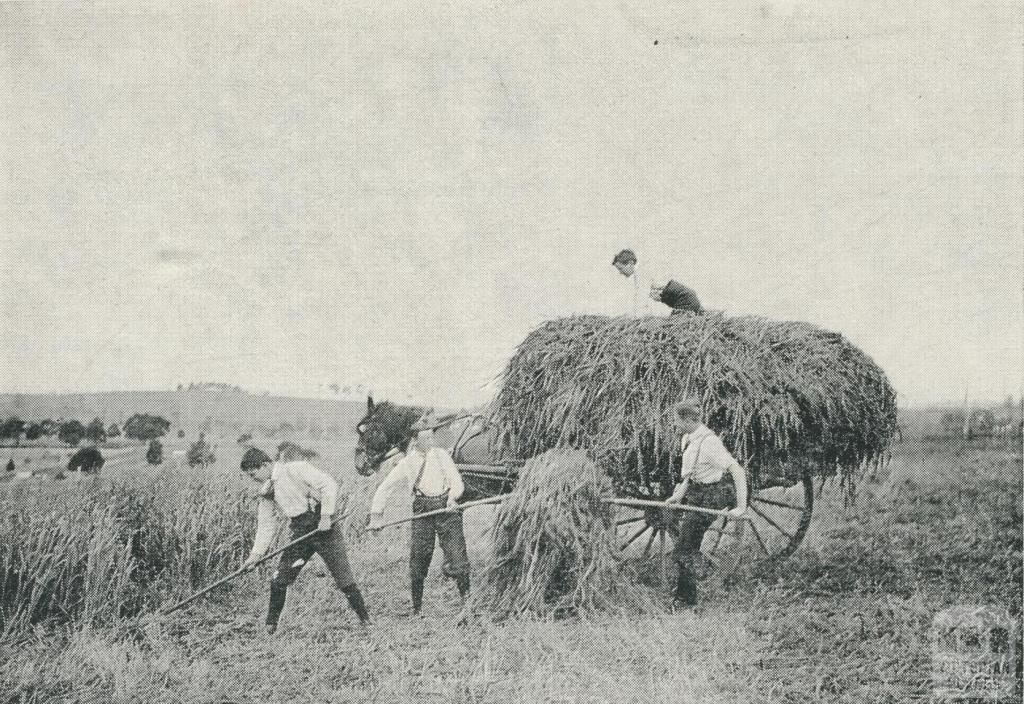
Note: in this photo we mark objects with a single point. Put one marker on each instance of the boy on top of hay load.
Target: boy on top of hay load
(436, 484)
(308, 497)
(710, 478)
(680, 298)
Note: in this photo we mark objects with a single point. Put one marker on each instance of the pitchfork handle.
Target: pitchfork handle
(247, 568)
(638, 503)
(438, 512)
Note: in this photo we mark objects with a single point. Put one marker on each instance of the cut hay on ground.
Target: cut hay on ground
(554, 544)
(784, 396)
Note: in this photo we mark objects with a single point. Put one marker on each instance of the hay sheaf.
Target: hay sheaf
(786, 397)
(554, 549)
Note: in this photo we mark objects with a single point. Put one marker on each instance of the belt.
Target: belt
(417, 492)
(726, 477)
(311, 514)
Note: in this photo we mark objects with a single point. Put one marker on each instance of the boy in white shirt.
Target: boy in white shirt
(307, 497)
(710, 477)
(436, 484)
(680, 298)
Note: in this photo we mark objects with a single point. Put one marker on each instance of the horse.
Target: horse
(386, 430)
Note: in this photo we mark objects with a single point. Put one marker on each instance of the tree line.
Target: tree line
(141, 426)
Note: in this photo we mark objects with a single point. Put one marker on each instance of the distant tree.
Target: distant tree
(113, 431)
(50, 427)
(286, 427)
(145, 427)
(12, 428)
(983, 422)
(95, 431)
(71, 432)
(88, 459)
(953, 422)
(200, 455)
(155, 453)
(33, 431)
(244, 438)
(10, 465)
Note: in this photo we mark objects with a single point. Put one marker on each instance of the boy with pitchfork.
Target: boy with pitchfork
(436, 484)
(710, 478)
(307, 497)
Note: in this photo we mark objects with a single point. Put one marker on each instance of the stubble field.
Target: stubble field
(847, 619)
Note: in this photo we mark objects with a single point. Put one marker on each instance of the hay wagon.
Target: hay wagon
(792, 402)
(780, 507)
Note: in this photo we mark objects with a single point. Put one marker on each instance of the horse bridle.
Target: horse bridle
(377, 458)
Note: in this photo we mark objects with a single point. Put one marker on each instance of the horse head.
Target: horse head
(385, 427)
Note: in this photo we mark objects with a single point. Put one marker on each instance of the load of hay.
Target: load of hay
(786, 397)
(554, 549)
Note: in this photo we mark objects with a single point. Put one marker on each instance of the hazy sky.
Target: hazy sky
(286, 196)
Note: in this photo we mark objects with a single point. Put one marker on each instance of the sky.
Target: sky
(288, 195)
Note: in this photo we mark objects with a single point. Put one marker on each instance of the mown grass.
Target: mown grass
(845, 620)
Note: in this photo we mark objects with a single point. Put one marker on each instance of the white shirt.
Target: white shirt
(637, 289)
(439, 475)
(293, 489)
(705, 458)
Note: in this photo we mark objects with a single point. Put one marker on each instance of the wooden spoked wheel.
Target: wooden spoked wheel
(779, 518)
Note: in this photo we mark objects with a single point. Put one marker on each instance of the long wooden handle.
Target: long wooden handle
(243, 570)
(449, 509)
(643, 503)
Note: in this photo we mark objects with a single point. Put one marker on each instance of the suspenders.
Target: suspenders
(696, 457)
(419, 476)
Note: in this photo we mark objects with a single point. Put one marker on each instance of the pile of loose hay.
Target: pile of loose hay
(554, 546)
(784, 396)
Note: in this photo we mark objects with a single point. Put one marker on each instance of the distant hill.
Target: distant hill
(215, 410)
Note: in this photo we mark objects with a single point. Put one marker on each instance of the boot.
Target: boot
(278, 592)
(355, 600)
(686, 588)
(417, 594)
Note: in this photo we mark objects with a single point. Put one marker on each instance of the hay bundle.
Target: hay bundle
(784, 396)
(554, 543)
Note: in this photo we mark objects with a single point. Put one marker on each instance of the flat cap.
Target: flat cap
(688, 408)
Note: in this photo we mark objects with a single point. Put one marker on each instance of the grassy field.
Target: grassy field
(844, 620)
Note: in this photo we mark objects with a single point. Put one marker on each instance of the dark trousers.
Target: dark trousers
(330, 545)
(690, 528)
(426, 532)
